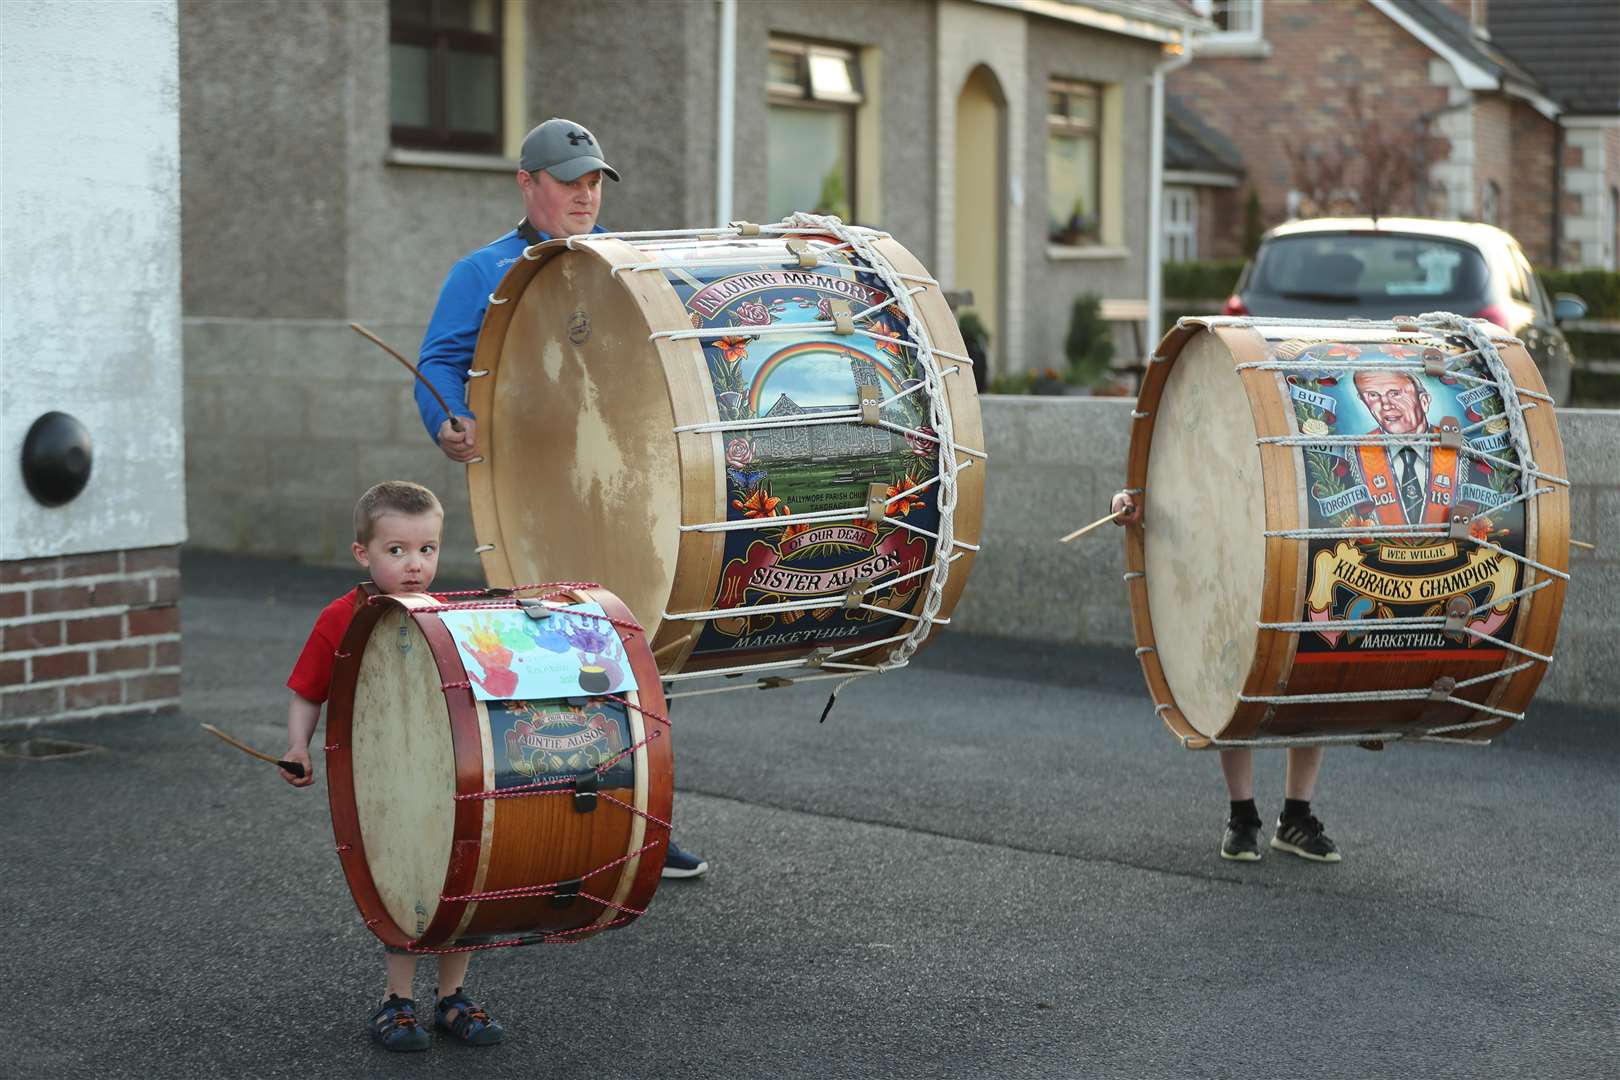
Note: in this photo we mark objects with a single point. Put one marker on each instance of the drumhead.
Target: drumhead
(404, 770)
(1205, 547)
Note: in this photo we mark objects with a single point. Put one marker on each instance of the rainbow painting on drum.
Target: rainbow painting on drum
(798, 449)
(1406, 452)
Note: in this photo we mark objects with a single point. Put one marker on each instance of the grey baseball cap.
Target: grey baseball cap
(564, 149)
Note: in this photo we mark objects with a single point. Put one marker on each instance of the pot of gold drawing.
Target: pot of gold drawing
(597, 647)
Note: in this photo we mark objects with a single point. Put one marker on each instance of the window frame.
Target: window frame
(439, 40)
(1248, 42)
(1066, 126)
(804, 95)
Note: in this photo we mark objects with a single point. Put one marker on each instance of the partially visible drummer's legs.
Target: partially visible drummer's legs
(401, 974)
(1241, 841)
(1238, 767)
(1304, 762)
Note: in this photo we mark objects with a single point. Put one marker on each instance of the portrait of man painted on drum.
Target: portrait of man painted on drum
(794, 387)
(1405, 452)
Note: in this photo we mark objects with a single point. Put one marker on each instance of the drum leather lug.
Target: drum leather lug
(843, 320)
(1450, 435)
(1442, 688)
(818, 656)
(745, 228)
(806, 257)
(774, 682)
(585, 792)
(1456, 614)
(533, 608)
(1461, 522)
(871, 400)
(566, 892)
(1434, 362)
(855, 595)
(876, 502)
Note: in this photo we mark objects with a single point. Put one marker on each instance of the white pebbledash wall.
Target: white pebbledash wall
(90, 267)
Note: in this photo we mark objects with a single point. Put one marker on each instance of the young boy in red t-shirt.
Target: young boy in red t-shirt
(396, 537)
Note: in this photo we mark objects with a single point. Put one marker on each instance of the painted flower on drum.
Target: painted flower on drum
(753, 313)
(732, 349)
(924, 441)
(900, 505)
(760, 503)
(1480, 529)
(824, 308)
(739, 452)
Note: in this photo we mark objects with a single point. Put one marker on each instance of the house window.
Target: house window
(1235, 20)
(1490, 203)
(445, 74)
(815, 96)
(1073, 163)
(1180, 224)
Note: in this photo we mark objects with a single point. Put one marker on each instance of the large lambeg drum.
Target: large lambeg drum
(1351, 531)
(499, 770)
(744, 435)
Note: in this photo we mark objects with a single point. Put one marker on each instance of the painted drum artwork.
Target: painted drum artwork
(1352, 531)
(739, 433)
(498, 768)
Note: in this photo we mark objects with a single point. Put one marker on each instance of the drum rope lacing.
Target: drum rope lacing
(1482, 347)
(506, 599)
(859, 242)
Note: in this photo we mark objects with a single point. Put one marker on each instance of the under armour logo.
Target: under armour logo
(578, 137)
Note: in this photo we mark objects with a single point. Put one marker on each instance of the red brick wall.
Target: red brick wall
(89, 635)
(1535, 139)
(1493, 157)
(1318, 52)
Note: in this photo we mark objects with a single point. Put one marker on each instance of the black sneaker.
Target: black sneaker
(1304, 837)
(394, 1025)
(679, 863)
(1242, 840)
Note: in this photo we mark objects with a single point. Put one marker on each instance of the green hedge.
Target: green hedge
(1202, 279)
(1599, 288)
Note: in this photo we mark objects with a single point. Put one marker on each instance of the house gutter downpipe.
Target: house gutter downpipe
(1181, 56)
(727, 120)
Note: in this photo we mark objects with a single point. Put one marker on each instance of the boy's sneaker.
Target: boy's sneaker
(471, 1024)
(1242, 840)
(394, 1025)
(679, 863)
(1304, 837)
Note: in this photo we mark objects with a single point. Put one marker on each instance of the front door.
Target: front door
(980, 142)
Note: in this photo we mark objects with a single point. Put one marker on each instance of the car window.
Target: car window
(1534, 291)
(1368, 266)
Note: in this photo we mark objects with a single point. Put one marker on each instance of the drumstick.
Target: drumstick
(1583, 544)
(291, 766)
(455, 425)
(1082, 531)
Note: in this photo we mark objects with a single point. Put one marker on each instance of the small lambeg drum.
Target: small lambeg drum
(1351, 531)
(742, 434)
(499, 770)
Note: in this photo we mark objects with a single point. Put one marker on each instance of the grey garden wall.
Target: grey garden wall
(1055, 461)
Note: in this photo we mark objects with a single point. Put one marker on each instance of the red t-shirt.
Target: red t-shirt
(311, 677)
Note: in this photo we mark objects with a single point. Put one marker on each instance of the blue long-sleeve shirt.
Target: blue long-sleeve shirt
(452, 333)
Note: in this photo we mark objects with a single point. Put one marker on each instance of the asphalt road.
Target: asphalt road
(994, 864)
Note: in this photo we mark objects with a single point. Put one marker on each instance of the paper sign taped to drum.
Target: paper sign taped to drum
(1377, 395)
(537, 741)
(778, 471)
(511, 656)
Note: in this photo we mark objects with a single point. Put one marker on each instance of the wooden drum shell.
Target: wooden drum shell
(502, 843)
(1273, 667)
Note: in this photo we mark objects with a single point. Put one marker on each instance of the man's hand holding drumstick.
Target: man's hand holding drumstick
(458, 438)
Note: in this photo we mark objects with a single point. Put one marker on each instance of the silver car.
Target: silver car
(1335, 268)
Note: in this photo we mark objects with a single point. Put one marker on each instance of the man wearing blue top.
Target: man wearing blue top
(560, 175)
